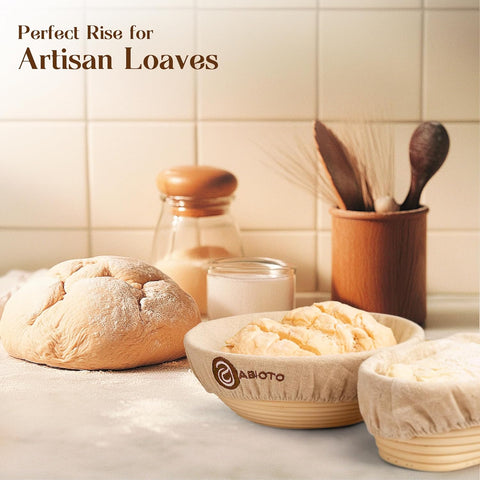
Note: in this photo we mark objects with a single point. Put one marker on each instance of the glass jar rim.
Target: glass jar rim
(251, 266)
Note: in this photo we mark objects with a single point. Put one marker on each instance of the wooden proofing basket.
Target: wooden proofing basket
(296, 415)
(283, 391)
(437, 453)
(426, 416)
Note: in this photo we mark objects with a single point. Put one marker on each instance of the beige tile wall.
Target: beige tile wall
(79, 151)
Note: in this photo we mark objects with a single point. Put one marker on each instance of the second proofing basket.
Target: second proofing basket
(379, 261)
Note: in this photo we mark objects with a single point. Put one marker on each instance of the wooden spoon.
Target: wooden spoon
(428, 149)
(340, 168)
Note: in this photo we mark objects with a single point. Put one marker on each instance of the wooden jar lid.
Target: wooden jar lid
(196, 182)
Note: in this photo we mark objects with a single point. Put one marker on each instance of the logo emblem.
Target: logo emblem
(225, 373)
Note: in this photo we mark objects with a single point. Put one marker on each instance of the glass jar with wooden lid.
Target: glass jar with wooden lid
(195, 225)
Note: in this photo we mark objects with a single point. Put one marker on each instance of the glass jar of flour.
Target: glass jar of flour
(237, 286)
(195, 225)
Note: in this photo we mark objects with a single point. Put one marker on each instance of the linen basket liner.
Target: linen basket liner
(401, 409)
(328, 378)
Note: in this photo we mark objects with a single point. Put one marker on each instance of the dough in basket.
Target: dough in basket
(98, 313)
(324, 328)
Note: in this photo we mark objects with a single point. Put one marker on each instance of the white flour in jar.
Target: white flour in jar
(240, 293)
(189, 269)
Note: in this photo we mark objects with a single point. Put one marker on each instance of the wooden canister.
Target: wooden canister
(379, 261)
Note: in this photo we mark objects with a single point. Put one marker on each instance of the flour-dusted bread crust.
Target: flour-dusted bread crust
(98, 313)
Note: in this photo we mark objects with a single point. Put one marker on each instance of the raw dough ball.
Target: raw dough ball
(98, 313)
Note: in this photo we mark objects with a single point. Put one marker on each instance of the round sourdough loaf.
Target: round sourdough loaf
(98, 313)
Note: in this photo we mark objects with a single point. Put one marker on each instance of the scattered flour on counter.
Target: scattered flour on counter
(156, 415)
(25, 377)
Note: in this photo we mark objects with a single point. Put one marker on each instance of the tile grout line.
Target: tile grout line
(316, 49)
(271, 8)
(195, 87)
(217, 120)
(422, 72)
(274, 231)
(87, 150)
(422, 61)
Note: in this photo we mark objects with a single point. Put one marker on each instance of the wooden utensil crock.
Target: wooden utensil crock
(379, 261)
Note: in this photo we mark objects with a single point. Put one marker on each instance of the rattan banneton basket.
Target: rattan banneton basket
(285, 392)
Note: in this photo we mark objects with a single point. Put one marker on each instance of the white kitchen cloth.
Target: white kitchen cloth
(403, 408)
(327, 378)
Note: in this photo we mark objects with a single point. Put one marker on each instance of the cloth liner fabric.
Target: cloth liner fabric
(401, 409)
(328, 378)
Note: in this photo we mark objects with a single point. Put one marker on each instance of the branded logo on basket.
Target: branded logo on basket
(228, 376)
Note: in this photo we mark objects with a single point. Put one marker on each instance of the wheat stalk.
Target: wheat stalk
(372, 142)
(370, 148)
(299, 164)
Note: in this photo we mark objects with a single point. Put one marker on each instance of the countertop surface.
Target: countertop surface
(159, 423)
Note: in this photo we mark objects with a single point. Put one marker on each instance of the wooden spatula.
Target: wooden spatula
(340, 168)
